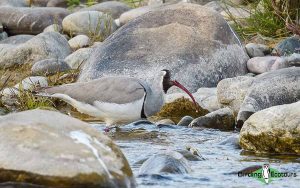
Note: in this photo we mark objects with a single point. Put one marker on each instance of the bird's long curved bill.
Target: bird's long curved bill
(176, 83)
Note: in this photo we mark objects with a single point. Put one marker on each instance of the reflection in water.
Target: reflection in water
(223, 156)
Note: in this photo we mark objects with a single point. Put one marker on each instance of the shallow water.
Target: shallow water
(222, 160)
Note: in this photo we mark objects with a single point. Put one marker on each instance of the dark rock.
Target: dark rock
(168, 163)
(185, 121)
(30, 20)
(49, 66)
(271, 89)
(288, 46)
(167, 37)
(57, 3)
(222, 119)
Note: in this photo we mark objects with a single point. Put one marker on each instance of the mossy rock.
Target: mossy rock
(179, 108)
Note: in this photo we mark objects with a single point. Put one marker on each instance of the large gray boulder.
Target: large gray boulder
(271, 89)
(196, 44)
(43, 46)
(273, 130)
(113, 8)
(30, 20)
(96, 25)
(47, 148)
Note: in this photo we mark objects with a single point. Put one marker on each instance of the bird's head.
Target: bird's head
(167, 83)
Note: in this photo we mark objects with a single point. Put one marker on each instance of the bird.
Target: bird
(118, 99)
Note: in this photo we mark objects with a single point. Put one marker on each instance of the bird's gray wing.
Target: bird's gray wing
(119, 90)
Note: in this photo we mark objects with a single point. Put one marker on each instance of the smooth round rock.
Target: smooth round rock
(30, 20)
(51, 149)
(49, 66)
(53, 28)
(270, 89)
(43, 46)
(91, 23)
(17, 39)
(273, 130)
(288, 46)
(185, 121)
(113, 8)
(232, 91)
(78, 58)
(79, 41)
(257, 50)
(167, 163)
(166, 36)
(222, 119)
(260, 65)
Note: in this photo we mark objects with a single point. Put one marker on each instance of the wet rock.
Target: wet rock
(134, 13)
(53, 28)
(14, 3)
(165, 122)
(203, 54)
(90, 23)
(222, 119)
(167, 163)
(113, 8)
(39, 3)
(3, 35)
(189, 155)
(30, 20)
(260, 65)
(179, 108)
(231, 91)
(273, 130)
(271, 89)
(257, 50)
(43, 46)
(79, 41)
(79, 57)
(56, 150)
(49, 66)
(231, 141)
(185, 121)
(288, 46)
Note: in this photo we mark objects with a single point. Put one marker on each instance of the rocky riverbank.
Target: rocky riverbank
(247, 91)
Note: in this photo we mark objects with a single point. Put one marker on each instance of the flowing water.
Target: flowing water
(223, 158)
